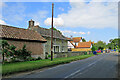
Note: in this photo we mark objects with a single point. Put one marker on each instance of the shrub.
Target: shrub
(4, 46)
(10, 51)
(31, 59)
(49, 56)
(93, 48)
(23, 53)
(39, 58)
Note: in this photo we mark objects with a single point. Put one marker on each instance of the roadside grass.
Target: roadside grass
(98, 53)
(11, 68)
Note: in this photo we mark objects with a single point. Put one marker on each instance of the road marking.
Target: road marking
(84, 67)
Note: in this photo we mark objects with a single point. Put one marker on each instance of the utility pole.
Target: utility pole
(52, 34)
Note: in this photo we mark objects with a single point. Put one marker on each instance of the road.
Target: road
(98, 66)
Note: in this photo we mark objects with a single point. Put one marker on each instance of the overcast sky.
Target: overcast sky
(90, 19)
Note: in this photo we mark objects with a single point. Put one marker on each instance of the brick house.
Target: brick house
(60, 42)
(19, 36)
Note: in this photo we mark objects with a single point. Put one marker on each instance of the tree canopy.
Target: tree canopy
(100, 45)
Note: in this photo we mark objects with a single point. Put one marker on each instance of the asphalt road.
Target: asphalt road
(99, 66)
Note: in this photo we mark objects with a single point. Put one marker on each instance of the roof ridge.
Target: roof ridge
(13, 27)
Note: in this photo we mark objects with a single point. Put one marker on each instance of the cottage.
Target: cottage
(59, 41)
(78, 45)
(74, 42)
(18, 37)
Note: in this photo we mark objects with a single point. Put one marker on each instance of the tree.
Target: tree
(83, 40)
(93, 48)
(100, 45)
(24, 53)
(5, 46)
(114, 43)
(101, 48)
(10, 51)
(56, 30)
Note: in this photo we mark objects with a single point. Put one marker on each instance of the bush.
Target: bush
(11, 52)
(93, 48)
(23, 53)
(31, 59)
(39, 58)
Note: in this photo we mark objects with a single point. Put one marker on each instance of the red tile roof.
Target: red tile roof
(84, 45)
(76, 39)
(19, 33)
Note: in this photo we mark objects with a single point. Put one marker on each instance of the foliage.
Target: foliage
(83, 40)
(56, 30)
(10, 51)
(100, 45)
(93, 48)
(100, 48)
(4, 46)
(23, 53)
(49, 55)
(114, 43)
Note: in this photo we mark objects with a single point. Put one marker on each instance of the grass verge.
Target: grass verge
(98, 53)
(11, 68)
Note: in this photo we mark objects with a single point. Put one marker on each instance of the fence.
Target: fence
(69, 54)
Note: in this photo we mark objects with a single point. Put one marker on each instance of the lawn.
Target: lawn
(10, 68)
(98, 53)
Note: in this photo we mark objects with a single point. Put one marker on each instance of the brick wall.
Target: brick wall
(36, 48)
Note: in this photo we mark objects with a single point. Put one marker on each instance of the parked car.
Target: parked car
(98, 51)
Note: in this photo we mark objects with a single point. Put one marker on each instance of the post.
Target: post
(52, 34)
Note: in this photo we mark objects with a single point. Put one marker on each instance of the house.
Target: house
(74, 42)
(18, 37)
(78, 45)
(59, 41)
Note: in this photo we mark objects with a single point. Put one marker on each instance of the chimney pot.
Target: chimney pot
(31, 24)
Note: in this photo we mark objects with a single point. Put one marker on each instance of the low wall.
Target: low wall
(81, 49)
(69, 54)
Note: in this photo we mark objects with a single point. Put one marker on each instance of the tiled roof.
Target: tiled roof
(84, 45)
(76, 39)
(47, 32)
(19, 33)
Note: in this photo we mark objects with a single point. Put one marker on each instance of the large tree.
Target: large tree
(100, 45)
(114, 43)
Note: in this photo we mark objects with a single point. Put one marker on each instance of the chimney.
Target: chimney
(31, 24)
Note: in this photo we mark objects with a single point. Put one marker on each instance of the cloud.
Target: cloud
(14, 13)
(38, 16)
(60, 8)
(91, 15)
(68, 32)
(58, 22)
(2, 22)
(88, 32)
(37, 23)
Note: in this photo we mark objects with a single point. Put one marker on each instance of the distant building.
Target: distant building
(18, 37)
(77, 45)
(74, 42)
(60, 42)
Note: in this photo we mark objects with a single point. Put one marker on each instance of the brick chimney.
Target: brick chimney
(31, 24)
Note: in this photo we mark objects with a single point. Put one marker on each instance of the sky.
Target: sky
(88, 19)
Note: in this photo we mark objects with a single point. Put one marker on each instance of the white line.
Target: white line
(84, 67)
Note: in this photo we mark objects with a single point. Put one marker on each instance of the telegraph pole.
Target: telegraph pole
(52, 34)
